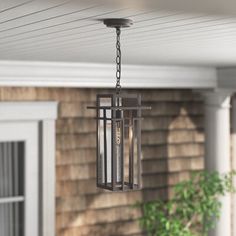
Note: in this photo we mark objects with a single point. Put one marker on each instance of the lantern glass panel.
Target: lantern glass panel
(131, 158)
(104, 142)
(136, 151)
(100, 162)
(109, 151)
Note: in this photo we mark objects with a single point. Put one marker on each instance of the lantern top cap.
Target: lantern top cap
(113, 97)
(120, 107)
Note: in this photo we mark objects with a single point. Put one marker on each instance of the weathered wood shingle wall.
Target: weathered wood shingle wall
(172, 140)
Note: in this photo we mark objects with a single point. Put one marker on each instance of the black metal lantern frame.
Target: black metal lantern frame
(118, 118)
(118, 141)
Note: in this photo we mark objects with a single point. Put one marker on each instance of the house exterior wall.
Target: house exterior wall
(172, 146)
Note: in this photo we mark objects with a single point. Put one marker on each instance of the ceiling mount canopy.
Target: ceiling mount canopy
(118, 22)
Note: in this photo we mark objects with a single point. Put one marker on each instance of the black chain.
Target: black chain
(118, 60)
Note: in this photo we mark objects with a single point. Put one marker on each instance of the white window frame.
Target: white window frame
(26, 132)
(45, 114)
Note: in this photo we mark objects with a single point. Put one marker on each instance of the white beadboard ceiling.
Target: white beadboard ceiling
(164, 32)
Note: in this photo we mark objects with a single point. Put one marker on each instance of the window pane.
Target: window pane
(11, 219)
(11, 169)
(11, 188)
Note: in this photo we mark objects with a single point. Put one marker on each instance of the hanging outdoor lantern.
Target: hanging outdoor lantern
(118, 118)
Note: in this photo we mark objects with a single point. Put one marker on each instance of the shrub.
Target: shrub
(193, 210)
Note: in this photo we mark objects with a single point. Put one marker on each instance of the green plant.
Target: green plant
(193, 210)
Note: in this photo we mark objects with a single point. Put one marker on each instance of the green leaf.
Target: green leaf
(193, 210)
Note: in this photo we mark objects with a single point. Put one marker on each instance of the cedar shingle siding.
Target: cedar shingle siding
(172, 145)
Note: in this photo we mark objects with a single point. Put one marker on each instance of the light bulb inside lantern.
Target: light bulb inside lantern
(118, 137)
(118, 133)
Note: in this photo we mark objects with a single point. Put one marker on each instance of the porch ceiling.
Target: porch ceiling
(165, 32)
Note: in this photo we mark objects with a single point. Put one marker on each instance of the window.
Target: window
(27, 143)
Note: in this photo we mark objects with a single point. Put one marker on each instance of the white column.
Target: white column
(234, 162)
(217, 149)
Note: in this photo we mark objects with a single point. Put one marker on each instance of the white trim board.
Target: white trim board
(26, 111)
(86, 75)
